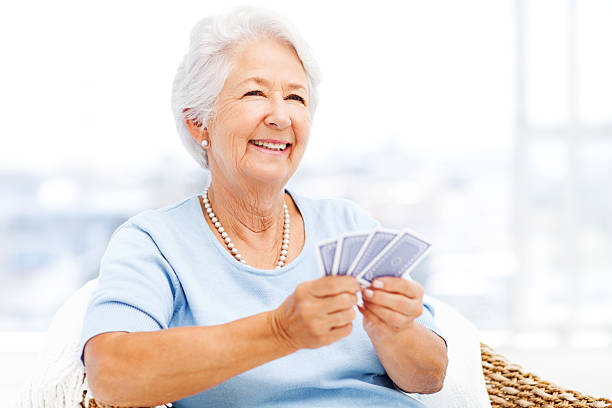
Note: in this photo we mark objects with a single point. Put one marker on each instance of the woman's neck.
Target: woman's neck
(252, 215)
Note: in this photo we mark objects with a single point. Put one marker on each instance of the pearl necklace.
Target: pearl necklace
(230, 244)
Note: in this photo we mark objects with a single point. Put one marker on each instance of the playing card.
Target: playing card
(397, 259)
(347, 250)
(376, 242)
(326, 251)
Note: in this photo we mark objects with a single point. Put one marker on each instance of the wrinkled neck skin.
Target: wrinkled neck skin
(253, 214)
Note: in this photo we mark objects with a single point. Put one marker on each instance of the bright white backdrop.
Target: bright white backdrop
(90, 82)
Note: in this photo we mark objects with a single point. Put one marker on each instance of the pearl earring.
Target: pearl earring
(204, 143)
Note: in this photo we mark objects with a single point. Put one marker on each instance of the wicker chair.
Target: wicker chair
(508, 387)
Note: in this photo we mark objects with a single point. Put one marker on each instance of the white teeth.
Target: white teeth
(271, 146)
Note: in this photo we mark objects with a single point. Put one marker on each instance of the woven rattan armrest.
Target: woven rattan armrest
(508, 387)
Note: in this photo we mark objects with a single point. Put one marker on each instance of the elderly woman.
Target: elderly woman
(218, 300)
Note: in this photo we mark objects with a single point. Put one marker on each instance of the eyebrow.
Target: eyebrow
(264, 82)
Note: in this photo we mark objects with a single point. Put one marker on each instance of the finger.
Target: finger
(394, 301)
(342, 318)
(333, 285)
(340, 302)
(388, 316)
(402, 286)
(341, 331)
(369, 315)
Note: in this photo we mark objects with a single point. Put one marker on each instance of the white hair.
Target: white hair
(206, 66)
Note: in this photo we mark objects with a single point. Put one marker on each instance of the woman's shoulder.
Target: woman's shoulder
(177, 213)
(335, 205)
(345, 213)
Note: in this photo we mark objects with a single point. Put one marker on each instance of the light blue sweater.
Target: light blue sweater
(165, 268)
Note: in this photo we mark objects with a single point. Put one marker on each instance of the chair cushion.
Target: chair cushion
(464, 385)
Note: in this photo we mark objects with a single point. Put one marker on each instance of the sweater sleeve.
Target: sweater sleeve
(361, 219)
(136, 287)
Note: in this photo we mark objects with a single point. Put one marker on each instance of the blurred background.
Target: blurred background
(484, 125)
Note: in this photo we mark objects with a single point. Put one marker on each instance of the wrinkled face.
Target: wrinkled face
(262, 121)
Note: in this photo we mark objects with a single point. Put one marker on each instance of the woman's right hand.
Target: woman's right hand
(317, 313)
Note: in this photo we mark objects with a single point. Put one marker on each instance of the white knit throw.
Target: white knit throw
(57, 380)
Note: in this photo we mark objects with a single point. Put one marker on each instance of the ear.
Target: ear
(197, 130)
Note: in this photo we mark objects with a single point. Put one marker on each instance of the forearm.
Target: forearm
(415, 359)
(151, 368)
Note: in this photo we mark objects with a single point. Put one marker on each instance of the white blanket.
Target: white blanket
(57, 379)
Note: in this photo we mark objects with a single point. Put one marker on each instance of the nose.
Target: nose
(278, 117)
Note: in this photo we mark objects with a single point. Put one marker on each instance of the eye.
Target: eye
(297, 97)
(254, 93)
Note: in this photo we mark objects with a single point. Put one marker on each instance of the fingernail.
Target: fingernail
(378, 284)
(369, 293)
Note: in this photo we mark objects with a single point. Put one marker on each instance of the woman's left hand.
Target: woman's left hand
(390, 305)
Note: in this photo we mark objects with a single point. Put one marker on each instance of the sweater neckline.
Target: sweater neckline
(245, 267)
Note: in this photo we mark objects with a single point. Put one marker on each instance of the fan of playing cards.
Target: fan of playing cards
(368, 255)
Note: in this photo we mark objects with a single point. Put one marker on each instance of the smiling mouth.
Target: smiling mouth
(277, 147)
